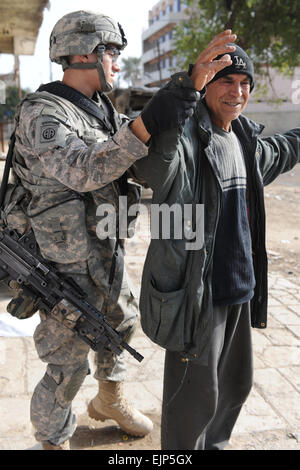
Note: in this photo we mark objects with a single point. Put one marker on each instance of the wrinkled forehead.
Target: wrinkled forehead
(235, 77)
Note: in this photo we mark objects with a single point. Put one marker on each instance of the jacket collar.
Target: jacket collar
(242, 126)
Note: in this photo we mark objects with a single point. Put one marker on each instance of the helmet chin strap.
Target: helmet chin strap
(105, 86)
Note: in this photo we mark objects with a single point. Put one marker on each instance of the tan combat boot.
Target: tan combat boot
(47, 445)
(110, 403)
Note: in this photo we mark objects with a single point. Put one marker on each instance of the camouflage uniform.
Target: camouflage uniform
(70, 165)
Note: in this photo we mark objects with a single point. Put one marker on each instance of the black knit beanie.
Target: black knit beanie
(241, 63)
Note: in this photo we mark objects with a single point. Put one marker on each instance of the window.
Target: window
(170, 7)
(178, 5)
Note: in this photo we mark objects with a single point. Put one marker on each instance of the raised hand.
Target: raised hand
(205, 67)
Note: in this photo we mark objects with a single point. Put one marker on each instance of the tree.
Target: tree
(267, 29)
(131, 70)
(7, 110)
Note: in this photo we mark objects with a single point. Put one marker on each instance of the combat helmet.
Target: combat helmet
(79, 33)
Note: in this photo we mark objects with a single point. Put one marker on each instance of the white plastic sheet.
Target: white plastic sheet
(12, 327)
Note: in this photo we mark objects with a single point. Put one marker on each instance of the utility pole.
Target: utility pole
(17, 75)
(158, 55)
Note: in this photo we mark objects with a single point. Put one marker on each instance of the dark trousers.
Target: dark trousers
(201, 403)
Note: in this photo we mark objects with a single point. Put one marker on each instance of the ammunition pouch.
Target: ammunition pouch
(13, 213)
(60, 230)
(24, 304)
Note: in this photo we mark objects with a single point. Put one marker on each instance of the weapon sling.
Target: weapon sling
(8, 165)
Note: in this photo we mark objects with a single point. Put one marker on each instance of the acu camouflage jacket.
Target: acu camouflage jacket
(69, 164)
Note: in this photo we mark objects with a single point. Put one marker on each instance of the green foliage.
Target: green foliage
(7, 110)
(267, 29)
(131, 69)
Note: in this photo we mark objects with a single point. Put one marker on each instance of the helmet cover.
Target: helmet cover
(79, 32)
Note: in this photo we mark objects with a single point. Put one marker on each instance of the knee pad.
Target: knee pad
(65, 381)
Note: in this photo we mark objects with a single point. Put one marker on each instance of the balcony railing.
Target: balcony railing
(169, 18)
(164, 47)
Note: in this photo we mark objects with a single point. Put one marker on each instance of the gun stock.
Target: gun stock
(20, 261)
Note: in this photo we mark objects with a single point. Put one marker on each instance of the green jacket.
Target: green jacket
(176, 299)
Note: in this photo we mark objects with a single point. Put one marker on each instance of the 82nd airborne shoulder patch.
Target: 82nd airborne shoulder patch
(49, 132)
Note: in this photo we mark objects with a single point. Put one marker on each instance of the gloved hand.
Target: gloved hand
(169, 109)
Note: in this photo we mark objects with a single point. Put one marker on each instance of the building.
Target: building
(278, 109)
(20, 22)
(157, 60)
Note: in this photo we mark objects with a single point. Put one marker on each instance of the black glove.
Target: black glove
(169, 109)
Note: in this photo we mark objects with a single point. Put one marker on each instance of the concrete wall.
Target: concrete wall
(276, 119)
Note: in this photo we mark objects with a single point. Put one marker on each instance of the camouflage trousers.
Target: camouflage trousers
(66, 356)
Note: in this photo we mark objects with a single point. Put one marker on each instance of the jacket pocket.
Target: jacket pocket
(163, 318)
(61, 232)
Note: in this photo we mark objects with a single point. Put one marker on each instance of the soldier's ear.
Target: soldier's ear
(74, 59)
(85, 58)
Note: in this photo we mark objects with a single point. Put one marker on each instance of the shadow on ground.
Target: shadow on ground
(93, 435)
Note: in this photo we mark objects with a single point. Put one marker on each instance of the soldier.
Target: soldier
(70, 162)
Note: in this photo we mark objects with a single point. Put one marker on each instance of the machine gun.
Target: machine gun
(57, 294)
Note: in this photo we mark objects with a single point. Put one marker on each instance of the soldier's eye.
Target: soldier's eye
(113, 52)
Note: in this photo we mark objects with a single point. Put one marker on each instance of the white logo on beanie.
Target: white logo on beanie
(239, 62)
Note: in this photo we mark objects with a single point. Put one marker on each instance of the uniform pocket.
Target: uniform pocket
(163, 319)
(61, 232)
